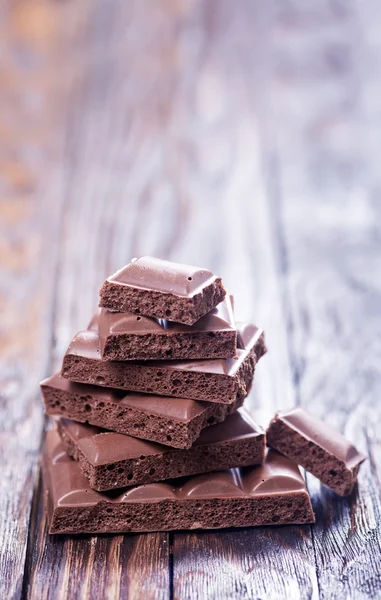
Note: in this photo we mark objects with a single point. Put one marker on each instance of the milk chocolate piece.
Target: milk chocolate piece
(175, 422)
(112, 460)
(125, 336)
(162, 289)
(317, 447)
(217, 380)
(271, 494)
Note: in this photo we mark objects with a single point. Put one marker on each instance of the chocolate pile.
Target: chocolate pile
(149, 406)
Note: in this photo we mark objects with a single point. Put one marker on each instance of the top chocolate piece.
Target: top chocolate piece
(162, 289)
(317, 447)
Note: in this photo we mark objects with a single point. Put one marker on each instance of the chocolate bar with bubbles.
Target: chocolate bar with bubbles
(112, 460)
(317, 447)
(212, 380)
(271, 494)
(125, 336)
(175, 422)
(162, 289)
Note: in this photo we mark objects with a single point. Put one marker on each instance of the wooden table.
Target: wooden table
(243, 136)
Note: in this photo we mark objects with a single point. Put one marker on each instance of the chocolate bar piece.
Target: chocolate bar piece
(317, 447)
(125, 336)
(217, 380)
(112, 460)
(162, 289)
(271, 494)
(175, 422)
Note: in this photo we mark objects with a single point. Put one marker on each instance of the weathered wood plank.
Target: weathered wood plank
(92, 567)
(243, 564)
(139, 195)
(114, 153)
(163, 157)
(329, 218)
(31, 201)
(225, 186)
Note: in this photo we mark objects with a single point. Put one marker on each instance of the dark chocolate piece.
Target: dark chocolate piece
(162, 289)
(175, 422)
(112, 460)
(271, 494)
(217, 380)
(317, 447)
(125, 336)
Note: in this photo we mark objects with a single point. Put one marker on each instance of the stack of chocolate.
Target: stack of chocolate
(150, 434)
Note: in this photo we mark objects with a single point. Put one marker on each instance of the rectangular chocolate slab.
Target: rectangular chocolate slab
(162, 289)
(317, 447)
(175, 422)
(125, 336)
(216, 380)
(271, 494)
(111, 460)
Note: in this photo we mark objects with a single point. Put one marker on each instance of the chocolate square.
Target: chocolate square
(317, 447)
(162, 289)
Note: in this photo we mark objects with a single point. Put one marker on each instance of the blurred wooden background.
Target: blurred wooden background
(240, 136)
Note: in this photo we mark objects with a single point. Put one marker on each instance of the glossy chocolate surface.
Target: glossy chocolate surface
(159, 275)
(86, 344)
(179, 409)
(322, 434)
(69, 488)
(102, 447)
(221, 318)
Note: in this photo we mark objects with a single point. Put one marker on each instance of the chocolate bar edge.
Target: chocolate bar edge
(187, 310)
(332, 471)
(173, 346)
(79, 407)
(91, 371)
(125, 473)
(242, 511)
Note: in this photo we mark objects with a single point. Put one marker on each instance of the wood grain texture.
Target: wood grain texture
(216, 133)
(329, 223)
(103, 566)
(160, 200)
(30, 207)
(250, 563)
(100, 211)
(236, 238)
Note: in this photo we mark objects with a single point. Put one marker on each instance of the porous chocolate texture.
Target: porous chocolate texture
(112, 460)
(271, 494)
(125, 336)
(175, 422)
(216, 380)
(162, 289)
(317, 447)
